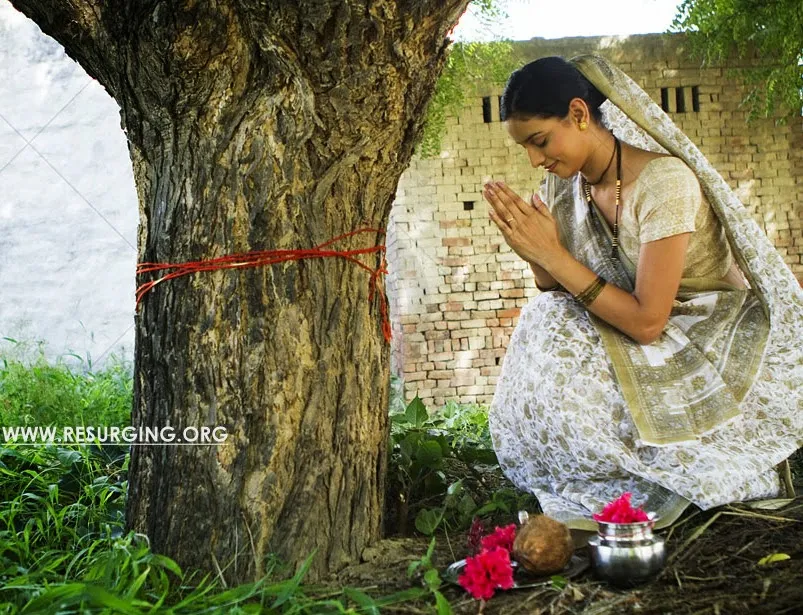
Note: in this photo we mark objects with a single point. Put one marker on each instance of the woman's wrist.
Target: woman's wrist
(555, 286)
(555, 261)
(543, 280)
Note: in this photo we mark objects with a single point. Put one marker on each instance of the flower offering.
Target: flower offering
(487, 572)
(491, 568)
(542, 546)
(621, 511)
(502, 537)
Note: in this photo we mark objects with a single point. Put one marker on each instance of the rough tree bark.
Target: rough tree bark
(258, 126)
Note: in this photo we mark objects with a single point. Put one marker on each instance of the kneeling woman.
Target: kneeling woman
(649, 364)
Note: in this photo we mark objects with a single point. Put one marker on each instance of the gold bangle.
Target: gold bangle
(590, 299)
(592, 292)
(588, 289)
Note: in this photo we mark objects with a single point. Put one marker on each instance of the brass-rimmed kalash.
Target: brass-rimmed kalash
(627, 554)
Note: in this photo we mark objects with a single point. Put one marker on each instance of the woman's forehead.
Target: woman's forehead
(521, 129)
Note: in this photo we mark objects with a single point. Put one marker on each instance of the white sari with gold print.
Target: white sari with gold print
(582, 413)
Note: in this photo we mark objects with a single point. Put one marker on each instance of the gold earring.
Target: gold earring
(582, 125)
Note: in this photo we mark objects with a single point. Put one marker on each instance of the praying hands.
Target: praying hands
(528, 228)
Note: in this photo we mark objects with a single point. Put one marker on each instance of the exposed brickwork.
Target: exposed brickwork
(455, 287)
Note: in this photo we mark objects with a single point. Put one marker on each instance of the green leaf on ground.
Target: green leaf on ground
(772, 558)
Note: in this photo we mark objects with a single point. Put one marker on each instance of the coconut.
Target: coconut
(543, 546)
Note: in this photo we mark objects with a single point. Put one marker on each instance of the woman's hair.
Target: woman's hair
(545, 87)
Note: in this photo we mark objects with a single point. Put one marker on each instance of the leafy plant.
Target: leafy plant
(469, 66)
(724, 30)
(425, 569)
(420, 445)
(443, 470)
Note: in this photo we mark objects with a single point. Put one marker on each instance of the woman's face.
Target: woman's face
(552, 143)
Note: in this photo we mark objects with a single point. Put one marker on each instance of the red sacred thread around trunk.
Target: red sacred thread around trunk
(271, 257)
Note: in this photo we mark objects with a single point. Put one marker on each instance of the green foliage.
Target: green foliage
(558, 582)
(467, 425)
(745, 29)
(428, 573)
(469, 66)
(439, 469)
(63, 546)
(489, 11)
(40, 393)
(63, 550)
(420, 445)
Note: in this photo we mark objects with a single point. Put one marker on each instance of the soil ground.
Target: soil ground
(712, 568)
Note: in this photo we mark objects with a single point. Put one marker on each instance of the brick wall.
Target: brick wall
(456, 289)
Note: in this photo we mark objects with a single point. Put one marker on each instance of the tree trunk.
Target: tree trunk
(259, 129)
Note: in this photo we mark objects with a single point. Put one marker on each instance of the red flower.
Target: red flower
(502, 537)
(621, 511)
(487, 572)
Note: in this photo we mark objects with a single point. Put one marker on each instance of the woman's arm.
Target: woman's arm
(531, 231)
(543, 280)
(643, 314)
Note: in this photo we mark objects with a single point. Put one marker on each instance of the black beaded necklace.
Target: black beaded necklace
(618, 152)
(607, 166)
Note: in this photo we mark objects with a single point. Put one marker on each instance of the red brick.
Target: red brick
(455, 262)
(441, 375)
(456, 315)
(456, 241)
(436, 335)
(508, 294)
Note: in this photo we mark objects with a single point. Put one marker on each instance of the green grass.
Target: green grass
(41, 393)
(63, 546)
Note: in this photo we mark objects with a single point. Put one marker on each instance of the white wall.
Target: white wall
(68, 207)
